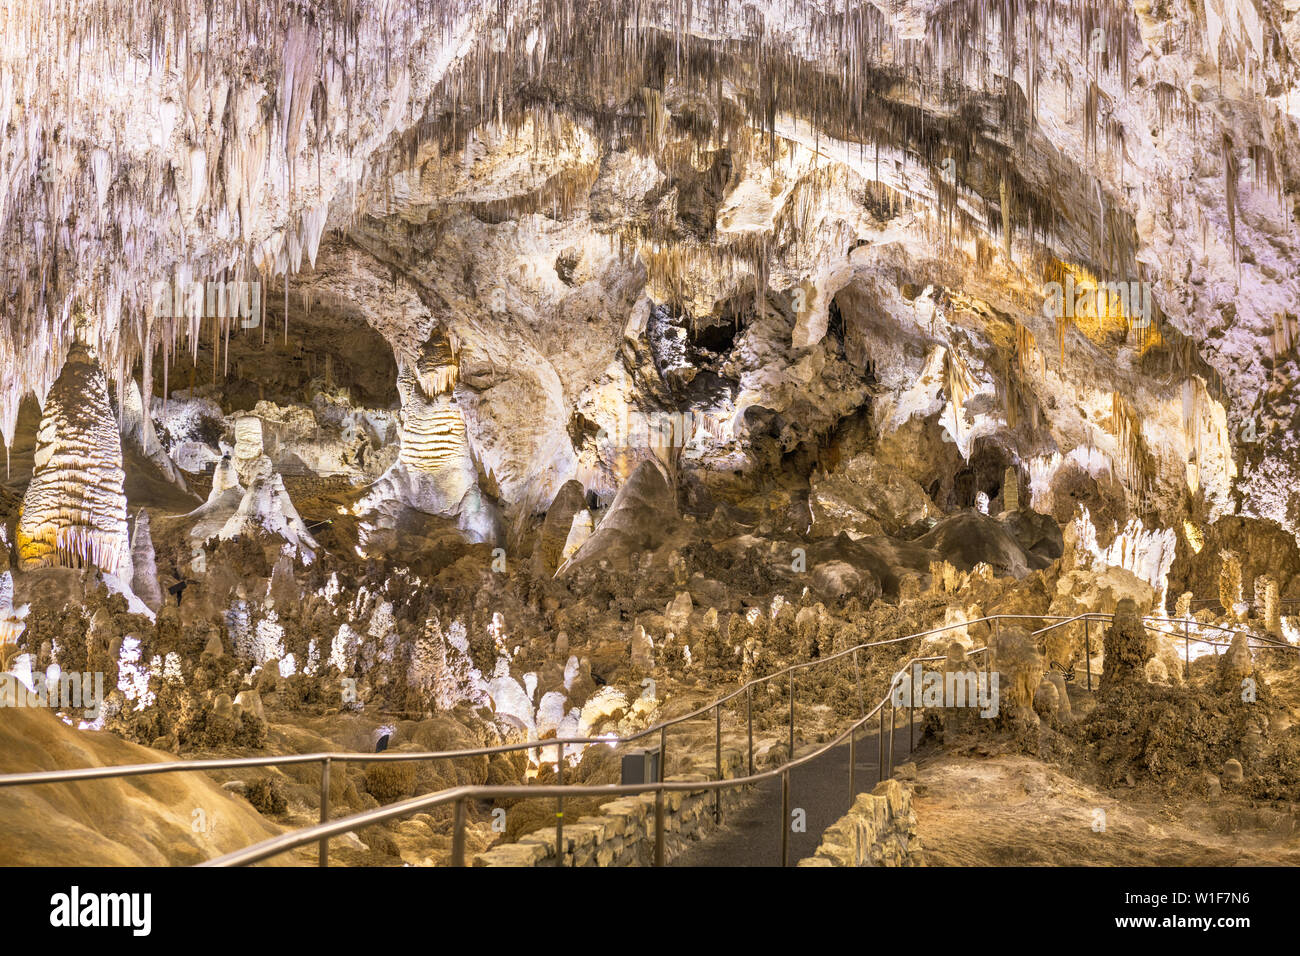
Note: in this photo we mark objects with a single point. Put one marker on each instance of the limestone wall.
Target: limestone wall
(622, 832)
(879, 830)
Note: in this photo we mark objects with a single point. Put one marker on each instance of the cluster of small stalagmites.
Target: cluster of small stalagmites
(74, 511)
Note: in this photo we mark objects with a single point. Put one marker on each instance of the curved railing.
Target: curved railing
(1187, 624)
(322, 832)
(457, 796)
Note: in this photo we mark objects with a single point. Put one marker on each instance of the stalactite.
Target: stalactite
(1136, 462)
(851, 72)
(1231, 173)
(958, 383)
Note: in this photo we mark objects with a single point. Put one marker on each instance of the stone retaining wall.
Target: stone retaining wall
(622, 832)
(880, 829)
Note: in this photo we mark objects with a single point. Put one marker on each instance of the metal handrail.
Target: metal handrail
(458, 795)
(327, 759)
(560, 789)
(1152, 619)
(1188, 623)
(178, 766)
(1215, 602)
(290, 841)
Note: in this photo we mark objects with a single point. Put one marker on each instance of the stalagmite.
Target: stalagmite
(74, 511)
(557, 526)
(579, 531)
(249, 458)
(1011, 489)
(435, 472)
(266, 507)
(145, 580)
(1230, 584)
(1270, 605)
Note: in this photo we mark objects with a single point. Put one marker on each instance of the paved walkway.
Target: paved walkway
(751, 836)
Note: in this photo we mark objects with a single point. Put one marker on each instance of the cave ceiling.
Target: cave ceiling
(775, 214)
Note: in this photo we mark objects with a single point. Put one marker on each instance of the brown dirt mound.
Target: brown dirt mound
(133, 821)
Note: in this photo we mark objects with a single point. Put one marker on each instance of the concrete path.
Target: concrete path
(751, 834)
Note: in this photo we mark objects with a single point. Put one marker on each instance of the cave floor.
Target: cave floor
(1017, 811)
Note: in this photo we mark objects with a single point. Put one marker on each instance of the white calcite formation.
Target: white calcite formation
(579, 531)
(223, 501)
(182, 159)
(435, 472)
(137, 429)
(248, 457)
(74, 511)
(145, 563)
(264, 507)
(441, 669)
(13, 620)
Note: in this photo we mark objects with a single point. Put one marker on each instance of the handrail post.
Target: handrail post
(857, 683)
(323, 858)
(853, 760)
(880, 745)
(659, 796)
(1187, 648)
(893, 721)
(659, 825)
(911, 712)
(559, 807)
(717, 761)
(785, 818)
(791, 757)
(458, 835)
(749, 717)
(1087, 651)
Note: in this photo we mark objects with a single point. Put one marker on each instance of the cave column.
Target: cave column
(74, 510)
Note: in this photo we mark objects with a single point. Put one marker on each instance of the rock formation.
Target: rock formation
(435, 472)
(551, 543)
(145, 568)
(1127, 648)
(74, 510)
(543, 364)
